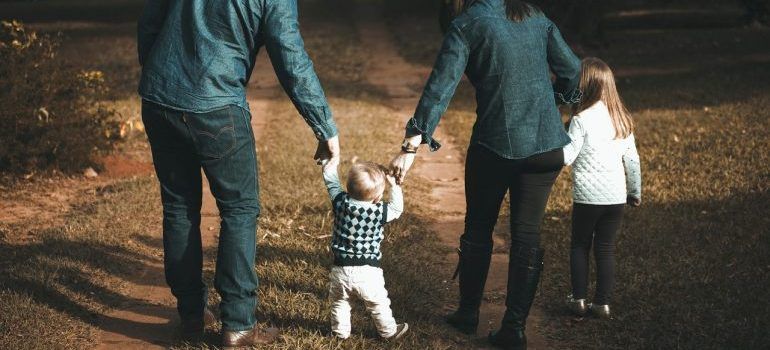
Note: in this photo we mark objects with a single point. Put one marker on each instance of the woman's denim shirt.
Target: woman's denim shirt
(197, 56)
(509, 64)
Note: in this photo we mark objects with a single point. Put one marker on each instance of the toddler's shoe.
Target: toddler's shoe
(401, 329)
(577, 306)
(600, 311)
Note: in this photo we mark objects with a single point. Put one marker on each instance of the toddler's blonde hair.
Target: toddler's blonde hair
(366, 181)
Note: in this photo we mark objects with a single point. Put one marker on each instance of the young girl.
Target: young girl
(606, 175)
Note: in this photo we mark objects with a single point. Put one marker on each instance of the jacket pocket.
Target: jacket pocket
(213, 132)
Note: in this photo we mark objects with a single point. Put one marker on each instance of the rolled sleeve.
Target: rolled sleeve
(412, 129)
(447, 72)
(320, 121)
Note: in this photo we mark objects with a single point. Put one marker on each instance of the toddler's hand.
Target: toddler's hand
(391, 179)
(329, 164)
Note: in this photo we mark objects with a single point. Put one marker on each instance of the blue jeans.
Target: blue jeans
(221, 143)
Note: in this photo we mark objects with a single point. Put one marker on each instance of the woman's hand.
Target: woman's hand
(400, 166)
(404, 160)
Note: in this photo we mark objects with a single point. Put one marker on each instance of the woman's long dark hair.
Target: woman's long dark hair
(517, 10)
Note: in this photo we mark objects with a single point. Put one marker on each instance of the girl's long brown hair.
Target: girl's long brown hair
(598, 84)
(517, 10)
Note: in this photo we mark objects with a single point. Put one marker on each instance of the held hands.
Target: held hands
(633, 201)
(391, 180)
(328, 152)
(401, 164)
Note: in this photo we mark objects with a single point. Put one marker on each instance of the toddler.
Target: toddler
(360, 215)
(606, 175)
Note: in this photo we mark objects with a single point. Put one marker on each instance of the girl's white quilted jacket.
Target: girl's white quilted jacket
(605, 170)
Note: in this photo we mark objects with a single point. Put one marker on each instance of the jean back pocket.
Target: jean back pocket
(213, 132)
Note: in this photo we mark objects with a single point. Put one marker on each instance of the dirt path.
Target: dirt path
(402, 83)
(150, 321)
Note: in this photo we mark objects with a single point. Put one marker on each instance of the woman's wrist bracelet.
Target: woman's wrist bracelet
(407, 147)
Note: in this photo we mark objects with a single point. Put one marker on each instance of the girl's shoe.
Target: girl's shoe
(577, 306)
(600, 311)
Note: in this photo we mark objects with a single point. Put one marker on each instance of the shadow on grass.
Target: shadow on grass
(78, 278)
(689, 275)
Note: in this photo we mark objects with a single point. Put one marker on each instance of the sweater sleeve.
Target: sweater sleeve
(577, 134)
(396, 204)
(633, 167)
(332, 181)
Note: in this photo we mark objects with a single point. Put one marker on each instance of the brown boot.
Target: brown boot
(252, 337)
(194, 329)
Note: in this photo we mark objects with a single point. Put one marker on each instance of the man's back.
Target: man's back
(197, 55)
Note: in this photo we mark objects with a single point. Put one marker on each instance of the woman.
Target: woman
(508, 49)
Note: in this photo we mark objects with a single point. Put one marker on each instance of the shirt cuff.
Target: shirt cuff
(326, 131)
(412, 130)
(569, 98)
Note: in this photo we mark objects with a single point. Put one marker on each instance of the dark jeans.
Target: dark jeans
(488, 177)
(222, 144)
(597, 224)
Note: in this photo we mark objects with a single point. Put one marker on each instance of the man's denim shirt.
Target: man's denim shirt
(509, 64)
(197, 56)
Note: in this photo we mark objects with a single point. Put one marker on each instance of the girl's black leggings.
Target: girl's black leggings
(488, 177)
(595, 225)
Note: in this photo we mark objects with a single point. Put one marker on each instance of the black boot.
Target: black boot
(472, 267)
(524, 270)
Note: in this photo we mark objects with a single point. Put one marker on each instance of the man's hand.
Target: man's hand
(633, 201)
(328, 150)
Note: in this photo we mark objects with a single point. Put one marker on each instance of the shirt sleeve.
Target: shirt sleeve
(149, 25)
(633, 167)
(332, 181)
(294, 68)
(565, 65)
(447, 72)
(396, 204)
(577, 134)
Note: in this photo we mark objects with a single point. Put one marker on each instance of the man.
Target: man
(197, 57)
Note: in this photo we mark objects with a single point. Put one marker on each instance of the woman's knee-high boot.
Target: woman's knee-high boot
(472, 267)
(524, 270)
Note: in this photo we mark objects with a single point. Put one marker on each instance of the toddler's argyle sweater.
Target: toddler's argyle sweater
(358, 232)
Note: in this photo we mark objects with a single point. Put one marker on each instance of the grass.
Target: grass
(693, 260)
(68, 269)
